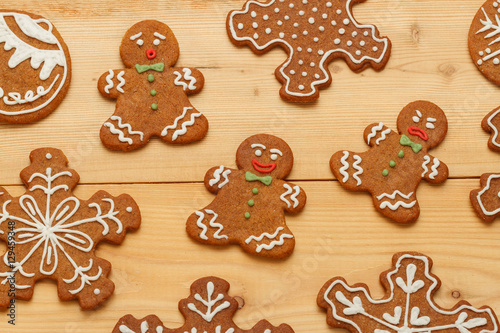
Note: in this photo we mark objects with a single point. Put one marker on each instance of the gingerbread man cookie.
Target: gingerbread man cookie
(251, 201)
(152, 95)
(35, 67)
(486, 200)
(313, 33)
(408, 304)
(208, 309)
(396, 162)
(51, 234)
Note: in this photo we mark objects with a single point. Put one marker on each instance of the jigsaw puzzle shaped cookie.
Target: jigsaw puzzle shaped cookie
(407, 306)
(35, 67)
(486, 200)
(151, 95)
(484, 41)
(208, 309)
(251, 201)
(491, 124)
(313, 33)
(51, 234)
(397, 161)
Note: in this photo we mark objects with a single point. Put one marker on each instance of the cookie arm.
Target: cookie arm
(111, 84)
(190, 79)
(294, 197)
(433, 170)
(375, 134)
(218, 177)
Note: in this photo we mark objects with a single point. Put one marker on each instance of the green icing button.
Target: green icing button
(154, 106)
(392, 164)
(385, 172)
(251, 203)
(255, 190)
(153, 92)
(151, 77)
(247, 215)
(401, 154)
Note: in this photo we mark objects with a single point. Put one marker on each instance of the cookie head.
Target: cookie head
(149, 42)
(424, 123)
(265, 155)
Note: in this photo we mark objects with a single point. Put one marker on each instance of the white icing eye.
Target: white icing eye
(258, 152)
(156, 41)
(140, 42)
(419, 114)
(430, 126)
(416, 119)
(274, 157)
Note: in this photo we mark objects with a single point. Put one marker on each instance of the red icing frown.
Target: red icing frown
(418, 132)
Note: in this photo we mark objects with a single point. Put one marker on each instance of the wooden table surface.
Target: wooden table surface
(338, 233)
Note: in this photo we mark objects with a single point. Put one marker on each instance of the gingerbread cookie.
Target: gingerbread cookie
(251, 201)
(51, 234)
(484, 42)
(313, 33)
(397, 161)
(408, 305)
(490, 124)
(208, 309)
(35, 67)
(486, 200)
(152, 95)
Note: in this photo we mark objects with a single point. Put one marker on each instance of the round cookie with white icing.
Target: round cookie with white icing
(251, 201)
(35, 67)
(397, 161)
(51, 234)
(313, 33)
(407, 306)
(151, 94)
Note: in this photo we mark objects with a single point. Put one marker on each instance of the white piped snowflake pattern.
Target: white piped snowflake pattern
(52, 234)
(490, 26)
(408, 306)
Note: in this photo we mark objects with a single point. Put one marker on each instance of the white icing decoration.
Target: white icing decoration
(493, 127)
(434, 167)
(120, 133)
(121, 80)
(134, 37)
(185, 125)
(125, 329)
(258, 145)
(217, 174)
(187, 76)
(97, 291)
(273, 243)
(430, 126)
(356, 307)
(293, 197)
(157, 34)
(24, 51)
(359, 169)
(109, 80)
(29, 95)
(342, 170)
(374, 131)
(201, 225)
(393, 195)
(258, 153)
(212, 223)
(144, 327)
(48, 156)
(283, 69)
(427, 159)
(480, 194)
(140, 42)
(129, 209)
(383, 136)
(209, 303)
(276, 151)
(394, 207)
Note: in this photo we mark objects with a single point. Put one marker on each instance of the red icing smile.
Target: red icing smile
(264, 168)
(150, 54)
(418, 132)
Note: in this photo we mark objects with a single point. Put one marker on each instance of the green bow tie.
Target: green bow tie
(250, 177)
(159, 67)
(405, 141)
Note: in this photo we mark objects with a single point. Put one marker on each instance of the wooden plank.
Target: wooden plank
(338, 233)
(430, 61)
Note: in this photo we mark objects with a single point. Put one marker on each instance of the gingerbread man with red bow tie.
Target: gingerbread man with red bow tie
(152, 95)
(251, 201)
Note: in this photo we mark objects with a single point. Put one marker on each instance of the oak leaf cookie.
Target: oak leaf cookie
(51, 234)
(152, 95)
(486, 200)
(208, 309)
(491, 124)
(484, 42)
(313, 33)
(251, 201)
(397, 161)
(407, 306)
(35, 67)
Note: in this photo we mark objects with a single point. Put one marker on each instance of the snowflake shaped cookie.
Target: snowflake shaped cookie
(407, 307)
(313, 33)
(209, 309)
(52, 234)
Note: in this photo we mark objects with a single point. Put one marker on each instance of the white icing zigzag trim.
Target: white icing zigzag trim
(393, 195)
(201, 225)
(342, 170)
(183, 129)
(293, 197)
(283, 196)
(387, 204)
(434, 167)
(383, 136)
(359, 169)
(187, 76)
(375, 129)
(271, 245)
(120, 133)
(212, 223)
(109, 80)
(127, 126)
(122, 82)
(427, 159)
(217, 174)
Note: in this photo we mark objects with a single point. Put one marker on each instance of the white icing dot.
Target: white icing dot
(316, 39)
(334, 23)
(365, 33)
(240, 26)
(299, 49)
(362, 43)
(342, 31)
(498, 10)
(304, 74)
(316, 76)
(309, 50)
(301, 62)
(255, 36)
(339, 11)
(321, 52)
(349, 43)
(265, 17)
(375, 49)
(282, 34)
(255, 25)
(325, 16)
(301, 13)
(291, 5)
(496, 61)
(495, 4)
(358, 52)
(305, 32)
(481, 53)
(156, 42)
(280, 23)
(301, 87)
(328, 4)
(322, 28)
(140, 42)
(292, 72)
(304, 2)
(129, 209)
(254, 14)
(315, 9)
(479, 62)
(287, 17)
(276, 10)
(311, 20)
(48, 156)
(337, 41)
(295, 24)
(294, 36)
(354, 33)
(268, 31)
(313, 64)
(488, 50)
(97, 291)
(346, 21)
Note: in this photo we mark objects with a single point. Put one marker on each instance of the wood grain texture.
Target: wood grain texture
(339, 233)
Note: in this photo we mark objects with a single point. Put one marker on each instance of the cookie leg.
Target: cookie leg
(190, 126)
(345, 165)
(203, 226)
(398, 206)
(278, 245)
(118, 135)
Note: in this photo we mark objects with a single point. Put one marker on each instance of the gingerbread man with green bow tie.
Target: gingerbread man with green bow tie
(251, 201)
(152, 95)
(396, 162)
